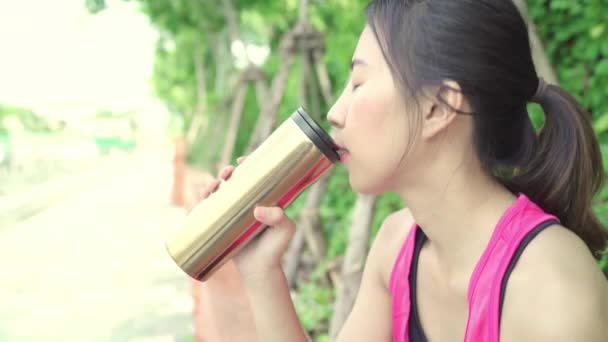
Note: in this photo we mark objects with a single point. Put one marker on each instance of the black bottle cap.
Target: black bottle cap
(316, 134)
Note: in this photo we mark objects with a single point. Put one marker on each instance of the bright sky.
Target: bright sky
(56, 57)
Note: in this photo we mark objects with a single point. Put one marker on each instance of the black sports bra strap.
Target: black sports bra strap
(524, 243)
(416, 332)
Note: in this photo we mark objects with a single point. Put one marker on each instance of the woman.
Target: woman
(499, 241)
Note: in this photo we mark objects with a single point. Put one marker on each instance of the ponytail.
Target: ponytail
(566, 170)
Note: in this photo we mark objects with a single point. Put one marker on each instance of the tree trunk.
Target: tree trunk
(323, 77)
(354, 260)
(271, 111)
(303, 10)
(235, 119)
(313, 86)
(233, 27)
(303, 92)
(199, 68)
(221, 58)
(261, 92)
(542, 63)
(215, 139)
(291, 259)
(201, 95)
(309, 231)
(231, 20)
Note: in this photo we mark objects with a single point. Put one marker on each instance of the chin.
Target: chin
(368, 187)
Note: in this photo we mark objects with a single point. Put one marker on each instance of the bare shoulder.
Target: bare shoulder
(556, 292)
(369, 319)
(390, 239)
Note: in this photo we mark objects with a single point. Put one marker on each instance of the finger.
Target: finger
(272, 216)
(203, 193)
(226, 172)
(200, 194)
(214, 185)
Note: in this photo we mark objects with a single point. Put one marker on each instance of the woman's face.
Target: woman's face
(370, 121)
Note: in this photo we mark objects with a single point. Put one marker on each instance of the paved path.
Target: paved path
(94, 267)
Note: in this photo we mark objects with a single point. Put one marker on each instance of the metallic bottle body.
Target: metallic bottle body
(273, 175)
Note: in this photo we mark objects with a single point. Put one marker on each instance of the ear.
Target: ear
(445, 102)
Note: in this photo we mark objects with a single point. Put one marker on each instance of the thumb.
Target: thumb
(282, 226)
(272, 216)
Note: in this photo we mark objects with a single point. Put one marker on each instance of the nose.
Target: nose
(337, 113)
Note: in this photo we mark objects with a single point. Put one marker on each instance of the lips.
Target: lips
(342, 151)
(344, 156)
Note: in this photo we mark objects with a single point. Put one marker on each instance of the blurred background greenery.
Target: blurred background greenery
(575, 35)
(198, 57)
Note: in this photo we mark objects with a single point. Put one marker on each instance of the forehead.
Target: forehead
(368, 49)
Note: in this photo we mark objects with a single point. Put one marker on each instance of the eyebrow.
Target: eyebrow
(356, 62)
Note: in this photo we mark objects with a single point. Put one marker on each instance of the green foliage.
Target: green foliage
(335, 212)
(248, 120)
(341, 22)
(313, 303)
(95, 6)
(576, 38)
(575, 34)
(30, 120)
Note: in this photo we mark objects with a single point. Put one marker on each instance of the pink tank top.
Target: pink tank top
(483, 295)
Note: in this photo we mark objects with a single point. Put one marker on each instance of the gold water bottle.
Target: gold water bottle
(292, 158)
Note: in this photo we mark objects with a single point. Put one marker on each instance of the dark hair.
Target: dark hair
(483, 46)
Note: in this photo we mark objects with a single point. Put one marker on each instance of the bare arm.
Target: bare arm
(567, 312)
(370, 318)
(273, 311)
(262, 278)
(556, 293)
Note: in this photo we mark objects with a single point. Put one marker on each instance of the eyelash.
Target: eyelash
(355, 86)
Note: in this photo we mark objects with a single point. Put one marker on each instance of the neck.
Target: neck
(457, 214)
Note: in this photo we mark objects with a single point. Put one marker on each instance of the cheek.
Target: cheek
(371, 108)
(381, 129)
(370, 103)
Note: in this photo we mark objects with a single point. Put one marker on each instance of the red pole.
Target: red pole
(179, 169)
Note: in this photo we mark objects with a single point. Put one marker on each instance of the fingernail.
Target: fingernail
(223, 173)
(259, 212)
(214, 185)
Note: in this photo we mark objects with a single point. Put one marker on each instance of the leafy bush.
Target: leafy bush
(575, 34)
